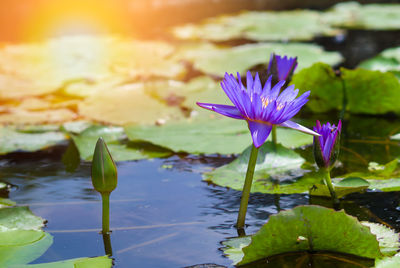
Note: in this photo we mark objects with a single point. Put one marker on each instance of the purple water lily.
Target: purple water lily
(281, 68)
(326, 146)
(261, 107)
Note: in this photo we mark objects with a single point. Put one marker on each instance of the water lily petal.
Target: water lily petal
(226, 110)
(259, 132)
(294, 125)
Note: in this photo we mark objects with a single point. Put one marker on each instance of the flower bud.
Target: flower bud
(281, 68)
(104, 171)
(326, 146)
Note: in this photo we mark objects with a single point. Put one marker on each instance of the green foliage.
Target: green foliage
(312, 228)
(214, 60)
(11, 139)
(259, 26)
(277, 171)
(98, 262)
(342, 187)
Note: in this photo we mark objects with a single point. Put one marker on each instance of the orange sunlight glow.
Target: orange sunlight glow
(50, 18)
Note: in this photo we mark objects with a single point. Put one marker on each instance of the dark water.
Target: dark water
(163, 215)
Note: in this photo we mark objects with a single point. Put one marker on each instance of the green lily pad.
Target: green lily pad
(387, 239)
(114, 136)
(342, 187)
(259, 26)
(392, 262)
(277, 171)
(353, 15)
(214, 60)
(379, 172)
(12, 140)
(208, 136)
(299, 229)
(366, 91)
(21, 237)
(371, 92)
(326, 87)
(98, 262)
(4, 202)
(380, 63)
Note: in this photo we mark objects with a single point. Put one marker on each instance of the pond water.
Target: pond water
(164, 215)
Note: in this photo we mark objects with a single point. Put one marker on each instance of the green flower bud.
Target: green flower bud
(104, 170)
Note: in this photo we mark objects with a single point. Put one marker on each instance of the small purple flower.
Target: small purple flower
(281, 68)
(261, 107)
(326, 146)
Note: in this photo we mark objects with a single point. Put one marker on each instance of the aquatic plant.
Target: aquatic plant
(326, 150)
(262, 108)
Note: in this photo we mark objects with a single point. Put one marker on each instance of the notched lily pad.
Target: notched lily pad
(342, 187)
(299, 229)
(98, 262)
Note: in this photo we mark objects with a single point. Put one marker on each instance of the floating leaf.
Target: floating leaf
(326, 87)
(387, 238)
(373, 16)
(98, 262)
(277, 171)
(114, 136)
(215, 60)
(13, 140)
(342, 187)
(208, 136)
(20, 116)
(127, 104)
(300, 229)
(393, 262)
(21, 239)
(4, 202)
(259, 26)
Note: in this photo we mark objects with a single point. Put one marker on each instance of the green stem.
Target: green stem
(107, 244)
(246, 188)
(106, 212)
(328, 182)
(274, 138)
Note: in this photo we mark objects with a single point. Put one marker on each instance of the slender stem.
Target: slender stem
(246, 188)
(106, 212)
(328, 182)
(274, 138)
(107, 244)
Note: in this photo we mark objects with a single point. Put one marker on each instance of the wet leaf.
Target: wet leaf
(392, 262)
(126, 104)
(208, 136)
(342, 187)
(259, 26)
(373, 16)
(387, 239)
(98, 262)
(326, 88)
(214, 60)
(119, 148)
(277, 171)
(300, 229)
(12, 140)
(21, 237)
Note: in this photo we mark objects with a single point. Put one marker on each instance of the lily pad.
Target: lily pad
(12, 140)
(300, 229)
(342, 187)
(208, 136)
(365, 91)
(214, 60)
(277, 171)
(353, 15)
(259, 26)
(387, 239)
(392, 262)
(120, 149)
(22, 239)
(326, 87)
(98, 262)
(126, 104)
